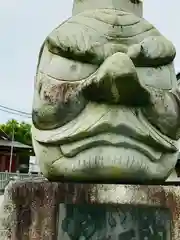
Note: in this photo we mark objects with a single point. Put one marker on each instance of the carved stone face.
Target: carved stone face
(95, 74)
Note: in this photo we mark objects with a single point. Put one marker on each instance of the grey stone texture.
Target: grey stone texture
(106, 101)
(43, 210)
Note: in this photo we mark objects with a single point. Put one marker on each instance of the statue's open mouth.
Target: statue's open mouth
(109, 140)
(108, 163)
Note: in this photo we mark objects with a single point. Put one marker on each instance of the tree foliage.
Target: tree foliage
(22, 131)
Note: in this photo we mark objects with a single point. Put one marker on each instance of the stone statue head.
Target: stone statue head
(101, 78)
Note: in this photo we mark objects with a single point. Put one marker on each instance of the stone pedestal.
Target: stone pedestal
(50, 210)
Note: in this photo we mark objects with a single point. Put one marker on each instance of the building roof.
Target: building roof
(3, 135)
(7, 143)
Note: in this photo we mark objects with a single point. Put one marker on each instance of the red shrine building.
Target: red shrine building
(20, 155)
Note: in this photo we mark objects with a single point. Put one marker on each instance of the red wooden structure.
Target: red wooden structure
(20, 154)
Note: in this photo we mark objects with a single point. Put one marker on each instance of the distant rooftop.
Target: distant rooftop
(3, 135)
(5, 141)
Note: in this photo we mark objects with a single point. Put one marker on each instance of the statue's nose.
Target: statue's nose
(117, 82)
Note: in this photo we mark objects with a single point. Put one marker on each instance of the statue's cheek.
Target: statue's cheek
(55, 102)
(58, 92)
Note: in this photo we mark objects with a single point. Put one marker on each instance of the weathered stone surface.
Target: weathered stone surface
(33, 209)
(106, 100)
(134, 6)
(105, 221)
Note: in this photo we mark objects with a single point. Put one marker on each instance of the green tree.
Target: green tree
(22, 131)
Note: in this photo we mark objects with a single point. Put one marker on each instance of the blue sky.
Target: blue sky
(25, 23)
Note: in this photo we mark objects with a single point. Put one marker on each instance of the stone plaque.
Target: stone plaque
(113, 222)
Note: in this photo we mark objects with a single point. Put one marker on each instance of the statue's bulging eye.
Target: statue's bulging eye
(60, 68)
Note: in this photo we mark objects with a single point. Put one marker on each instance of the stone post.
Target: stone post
(126, 5)
(32, 209)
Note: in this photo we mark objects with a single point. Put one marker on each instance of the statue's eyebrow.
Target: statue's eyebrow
(60, 48)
